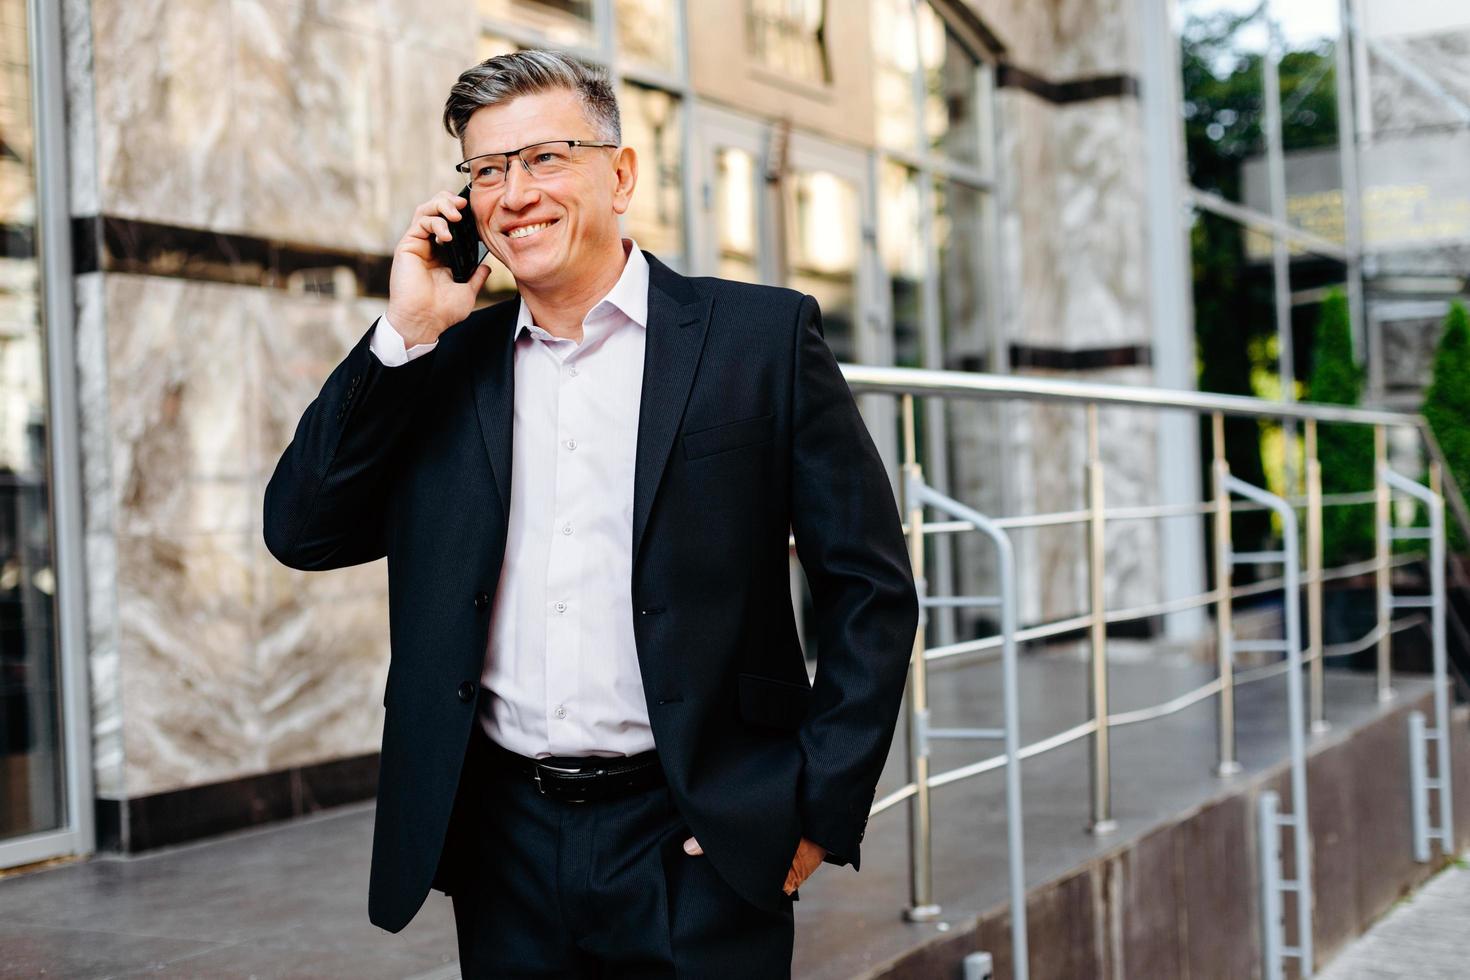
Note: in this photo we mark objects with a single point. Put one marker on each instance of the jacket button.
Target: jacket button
(466, 691)
(481, 600)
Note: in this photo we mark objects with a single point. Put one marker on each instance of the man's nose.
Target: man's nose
(520, 188)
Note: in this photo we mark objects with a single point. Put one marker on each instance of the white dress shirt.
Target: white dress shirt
(562, 666)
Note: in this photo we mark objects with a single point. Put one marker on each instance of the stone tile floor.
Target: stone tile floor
(1426, 936)
(291, 900)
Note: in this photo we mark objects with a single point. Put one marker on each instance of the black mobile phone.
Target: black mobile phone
(462, 253)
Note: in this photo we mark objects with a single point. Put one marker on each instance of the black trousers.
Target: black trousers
(599, 889)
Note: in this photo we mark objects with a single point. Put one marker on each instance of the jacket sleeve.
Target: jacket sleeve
(850, 541)
(325, 504)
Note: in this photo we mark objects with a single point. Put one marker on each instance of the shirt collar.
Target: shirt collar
(629, 294)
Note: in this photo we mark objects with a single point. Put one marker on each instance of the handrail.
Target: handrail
(1449, 486)
(1298, 651)
(1070, 624)
(974, 384)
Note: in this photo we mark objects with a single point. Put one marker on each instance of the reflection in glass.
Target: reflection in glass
(1307, 76)
(651, 126)
(31, 766)
(895, 58)
(1222, 49)
(951, 91)
(822, 249)
(958, 224)
(646, 32)
(562, 22)
(790, 37)
(901, 245)
(735, 215)
(952, 81)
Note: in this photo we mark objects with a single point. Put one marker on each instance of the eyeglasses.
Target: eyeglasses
(541, 160)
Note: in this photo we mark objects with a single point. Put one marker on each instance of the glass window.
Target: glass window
(952, 79)
(652, 126)
(735, 215)
(895, 58)
(790, 37)
(31, 767)
(902, 248)
(563, 22)
(958, 234)
(951, 91)
(647, 33)
(1223, 47)
(822, 243)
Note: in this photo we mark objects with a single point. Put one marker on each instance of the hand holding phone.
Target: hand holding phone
(461, 254)
(437, 269)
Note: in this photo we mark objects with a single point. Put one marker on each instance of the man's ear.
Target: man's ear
(625, 177)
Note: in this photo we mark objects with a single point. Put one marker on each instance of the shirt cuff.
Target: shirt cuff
(387, 344)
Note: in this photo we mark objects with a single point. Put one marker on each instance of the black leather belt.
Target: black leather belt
(585, 779)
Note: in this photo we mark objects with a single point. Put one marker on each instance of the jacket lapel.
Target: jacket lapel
(494, 379)
(677, 322)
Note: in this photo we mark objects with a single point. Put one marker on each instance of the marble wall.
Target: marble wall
(1073, 260)
(310, 122)
(1399, 104)
(313, 121)
(219, 661)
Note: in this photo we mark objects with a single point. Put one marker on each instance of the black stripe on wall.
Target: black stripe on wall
(105, 243)
(1036, 357)
(1072, 90)
(147, 822)
(1079, 359)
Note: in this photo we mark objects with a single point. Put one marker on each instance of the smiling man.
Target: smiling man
(600, 737)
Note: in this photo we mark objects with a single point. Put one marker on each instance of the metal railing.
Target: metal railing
(1094, 621)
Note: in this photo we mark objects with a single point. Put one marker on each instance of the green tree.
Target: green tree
(1447, 402)
(1345, 451)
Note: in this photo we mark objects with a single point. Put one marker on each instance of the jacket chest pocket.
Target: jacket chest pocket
(729, 435)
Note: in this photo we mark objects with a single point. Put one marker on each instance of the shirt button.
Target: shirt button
(561, 607)
(560, 712)
(571, 444)
(566, 529)
(572, 370)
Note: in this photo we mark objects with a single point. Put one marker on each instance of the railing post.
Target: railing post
(1291, 644)
(1102, 804)
(1382, 554)
(1443, 770)
(921, 907)
(1313, 473)
(1226, 763)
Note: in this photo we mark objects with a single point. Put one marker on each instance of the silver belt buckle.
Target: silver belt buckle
(536, 776)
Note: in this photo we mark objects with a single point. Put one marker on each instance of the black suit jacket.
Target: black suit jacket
(747, 430)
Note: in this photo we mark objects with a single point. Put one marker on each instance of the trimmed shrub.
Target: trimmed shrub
(1345, 451)
(1447, 404)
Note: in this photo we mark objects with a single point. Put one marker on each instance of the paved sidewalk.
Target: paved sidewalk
(1426, 936)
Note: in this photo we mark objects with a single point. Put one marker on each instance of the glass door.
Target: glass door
(45, 786)
(791, 209)
(798, 211)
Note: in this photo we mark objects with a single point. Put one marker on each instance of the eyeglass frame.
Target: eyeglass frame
(463, 166)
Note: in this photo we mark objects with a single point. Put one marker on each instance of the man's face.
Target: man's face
(582, 205)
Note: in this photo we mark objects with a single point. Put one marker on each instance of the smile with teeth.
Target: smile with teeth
(525, 231)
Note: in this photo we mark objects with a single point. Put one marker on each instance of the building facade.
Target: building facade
(198, 204)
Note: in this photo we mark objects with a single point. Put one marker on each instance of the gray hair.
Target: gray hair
(508, 76)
